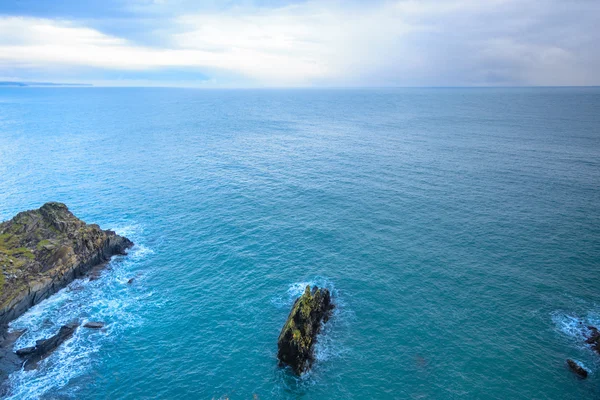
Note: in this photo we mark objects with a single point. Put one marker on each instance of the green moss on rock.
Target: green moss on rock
(43, 243)
(298, 335)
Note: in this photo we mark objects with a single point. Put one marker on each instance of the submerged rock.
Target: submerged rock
(298, 335)
(576, 368)
(594, 339)
(41, 251)
(94, 325)
(44, 347)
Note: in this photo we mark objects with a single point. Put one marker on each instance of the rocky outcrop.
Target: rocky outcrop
(578, 369)
(299, 334)
(44, 347)
(9, 361)
(93, 325)
(41, 251)
(594, 339)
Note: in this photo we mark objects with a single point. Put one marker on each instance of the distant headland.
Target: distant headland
(41, 84)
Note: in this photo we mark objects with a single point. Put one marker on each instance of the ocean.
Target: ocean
(458, 230)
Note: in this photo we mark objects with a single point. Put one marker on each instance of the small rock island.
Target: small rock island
(577, 368)
(41, 251)
(298, 335)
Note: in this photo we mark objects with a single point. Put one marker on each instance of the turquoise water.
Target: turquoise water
(459, 230)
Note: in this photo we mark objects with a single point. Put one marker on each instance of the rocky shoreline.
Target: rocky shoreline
(41, 252)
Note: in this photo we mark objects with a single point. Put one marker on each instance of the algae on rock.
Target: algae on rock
(298, 335)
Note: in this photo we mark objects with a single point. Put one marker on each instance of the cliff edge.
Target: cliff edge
(41, 251)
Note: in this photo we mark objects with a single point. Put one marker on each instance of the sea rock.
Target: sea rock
(594, 339)
(41, 251)
(93, 325)
(130, 281)
(26, 351)
(45, 347)
(578, 369)
(299, 334)
(9, 361)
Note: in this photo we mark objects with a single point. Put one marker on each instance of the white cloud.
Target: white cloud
(40, 42)
(402, 42)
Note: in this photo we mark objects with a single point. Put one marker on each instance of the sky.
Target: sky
(285, 43)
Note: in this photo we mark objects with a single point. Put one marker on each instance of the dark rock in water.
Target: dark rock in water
(45, 347)
(578, 369)
(9, 361)
(594, 339)
(94, 325)
(298, 336)
(41, 251)
(129, 282)
(26, 351)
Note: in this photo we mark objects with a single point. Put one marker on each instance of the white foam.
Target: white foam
(326, 348)
(130, 230)
(575, 326)
(296, 289)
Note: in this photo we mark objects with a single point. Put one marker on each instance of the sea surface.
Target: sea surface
(458, 229)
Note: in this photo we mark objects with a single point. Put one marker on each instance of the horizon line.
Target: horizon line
(29, 84)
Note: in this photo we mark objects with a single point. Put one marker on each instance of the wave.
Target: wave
(108, 299)
(575, 326)
(129, 230)
(296, 289)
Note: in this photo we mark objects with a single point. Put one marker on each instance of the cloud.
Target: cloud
(32, 42)
(335, 43)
